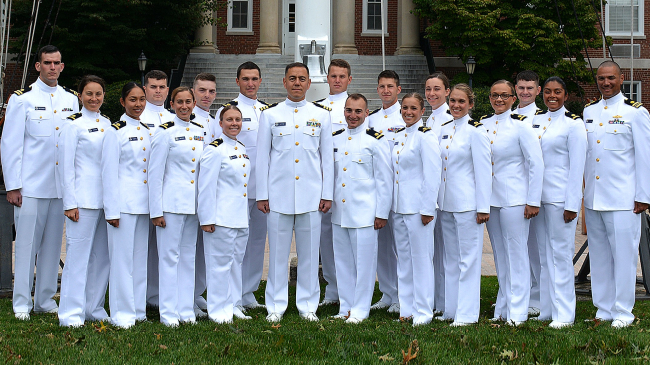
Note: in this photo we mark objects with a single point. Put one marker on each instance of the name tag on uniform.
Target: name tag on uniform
(280, 124)
(40, 108)
(246, 156)
(535, 125)
(150, 125)
(198, 138)
(93, 130)
(336, 150)
(233, 157)
(132, 139)
(67, 110)
(446, 136)
(246, 119)
(589, 121)
(395, 143)
(180, 138)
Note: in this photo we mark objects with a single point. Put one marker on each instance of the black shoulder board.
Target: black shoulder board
(192, 116)
(322, 106)
(144, 125)
(474, 123)
(241, 143)
(373, 133)
(445, 123)
(487, 116)
(233, 102)
(633, 103)
(19, 92)
(540, 112)
(517, 116)
(167, 125)
(70, 91)
(320, 100)
(571, 115)
(216, 142)
(211, 116)
(74, 116)
(263, 102)
(448, 111)
(594, 102)
(196, 124)
(424, 129)
(171, 111)
(374, 111)
(118, 125)
(400, 129)
(268, 107)
(106, 116)
(336, 133)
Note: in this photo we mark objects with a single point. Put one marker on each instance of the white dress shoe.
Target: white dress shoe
(340, 316)
(443, 318)
(533, 311)
(540, 318)
(199, 313)
(254, 305)
(23, 316)
(394, 308)
(379, 305)
(421, 322)
(310, 316)
(460, 324)
(237, 312)
(617, 323)
(328, 302)
(558, 324)
(496, 319)
(354, 320)
(221, 321)
(274, 317)
(54, 310)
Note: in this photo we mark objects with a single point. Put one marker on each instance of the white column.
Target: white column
(408, 29)
(343, 34)
(269, 26)
(205, 35)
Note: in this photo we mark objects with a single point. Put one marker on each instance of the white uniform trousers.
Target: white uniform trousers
(613, 251)
(200, 274)
(387, 263)
(535, 267)
(39, 232)
(556, 242)
(438, 265)
(86, 241)
(307, 230)
(253, 264)
(152, 267)
(221, 258)
(128, 250)
(176, 255)
(463, 248)
(355, 253)
(508, 230)
(327, 257)
(414, 266)
(499, 254)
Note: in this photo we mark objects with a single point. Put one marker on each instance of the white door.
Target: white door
(289, 27)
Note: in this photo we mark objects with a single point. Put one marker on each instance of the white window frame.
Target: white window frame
(374, 32)
(617, 34)
(634, 96)
(249, 27)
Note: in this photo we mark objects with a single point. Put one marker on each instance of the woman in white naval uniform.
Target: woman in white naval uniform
(563, 138)
(85, 275)
(416, 179)
(436, 91)
(517, 172)
(175, 153)
(464, 201)
(125, 164)
(223, 215)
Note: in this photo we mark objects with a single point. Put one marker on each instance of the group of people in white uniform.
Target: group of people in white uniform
(161, 206)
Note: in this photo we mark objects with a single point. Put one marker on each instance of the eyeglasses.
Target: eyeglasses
(502, 96)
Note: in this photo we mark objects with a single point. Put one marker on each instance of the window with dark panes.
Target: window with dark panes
(374, 15)
(239, 14)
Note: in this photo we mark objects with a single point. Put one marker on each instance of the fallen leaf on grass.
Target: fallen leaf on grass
(412, 352)
(50, 336)
(321, 328)
(101, 328)
(509, 355)
(386, 357)
(158, 336)
(163, 347)
(268, 331)
(495, 325)
(276, 326)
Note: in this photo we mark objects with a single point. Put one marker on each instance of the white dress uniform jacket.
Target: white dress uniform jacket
(209, 123)
(155, 115)
(363, 178)
(387, 121)
(466, 168)
(337, 104)
(82, 141)
(437, 118)
(528, 111)
(33, 122)
(176, 150)
(295, 163)
(618, 158)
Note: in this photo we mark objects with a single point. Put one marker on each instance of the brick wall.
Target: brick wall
(239, 44)
(13, 77)
(643, 75)
(371, 45)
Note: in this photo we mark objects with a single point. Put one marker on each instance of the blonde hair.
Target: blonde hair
(467, 90)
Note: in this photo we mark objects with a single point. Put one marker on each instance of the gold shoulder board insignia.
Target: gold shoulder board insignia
(167, 125)
(373, 133)
(144, 125)
(74, 116)
(70, 91)
(322, 106)
(268, 107)
(594, 102)
(263, 102)
(336, 133)
(241, 143)
(19, 92)
(118, 125)
(540, 112)
(424, 129)
(196, 124)
(400, 129)
(106, 116)
(571, 115)
(474, 123)
(374, 111)
(216, 142)
(517, 116)
(171, 111)
(445, 123)
(486, 116)
(633, 103)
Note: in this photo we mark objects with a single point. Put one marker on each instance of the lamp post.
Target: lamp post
(142, 64)
(470, 65)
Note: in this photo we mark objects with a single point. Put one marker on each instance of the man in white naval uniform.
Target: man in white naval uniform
(616, 192)
(362, 200)
(527, 88)
(154, 114)
(338, 78)
(33, 122)
(249, 79)
(387, 120)
(294, 182)
(205, 91)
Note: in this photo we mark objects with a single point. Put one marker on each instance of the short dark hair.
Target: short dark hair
(248, 65)
(389, 74)
(559, 81)
(91, 78)
(527, 75)
(154, 74)
(126, 89)
(229, 107)
(610, 63)
(357, 96)
(46, 50)
(181, 89)
(337, 62)
(295, 64)
(439, 75)
(204, 76)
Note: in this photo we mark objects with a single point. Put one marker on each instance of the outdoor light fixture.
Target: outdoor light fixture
(470, 66)
(142, 64)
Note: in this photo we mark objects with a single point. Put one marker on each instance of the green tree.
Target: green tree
(507, 36)
(105, 37)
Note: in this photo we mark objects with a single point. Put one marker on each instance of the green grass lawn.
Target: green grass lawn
(380, 339)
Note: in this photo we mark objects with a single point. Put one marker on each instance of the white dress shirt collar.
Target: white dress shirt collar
(558, 112)
(462, 120)
(180, 121)
(246, 100)
(392, 109)
(414, 127)
(87, 113)
(129, 120)
(43, 86)
(527, 109)
(614, 99)
(503, 116)
(442, 109)
(201, 113)
(359, 129)
(295, 104)
(229, 141)
(340, 96)
(154, 107)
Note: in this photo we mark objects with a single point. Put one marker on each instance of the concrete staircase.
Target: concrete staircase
(412, 70)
